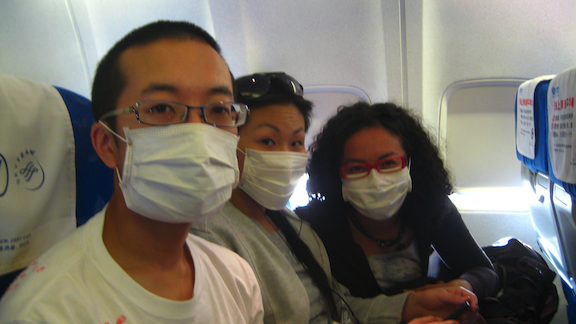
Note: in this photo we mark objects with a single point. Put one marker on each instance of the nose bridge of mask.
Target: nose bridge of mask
(179, 173)
(400, 179)
(269, 177)
(208, 142)
(385, 178)
(276, 167)
(273, 160)
(376, 180)
(207, 137)
(216, 147)
(379, 195)
(213, 138)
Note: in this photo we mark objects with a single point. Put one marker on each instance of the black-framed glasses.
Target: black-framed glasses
(256, 86)
(362, 170)
(167, 112)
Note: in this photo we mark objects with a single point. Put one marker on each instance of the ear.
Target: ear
(105, 145)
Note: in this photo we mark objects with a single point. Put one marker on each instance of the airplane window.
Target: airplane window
(480, 144)
(300, 196)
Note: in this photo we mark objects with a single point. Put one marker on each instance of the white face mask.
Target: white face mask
(179, 173)
(270, 177)
(379, 195)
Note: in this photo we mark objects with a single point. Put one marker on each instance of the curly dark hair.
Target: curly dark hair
(430, 179)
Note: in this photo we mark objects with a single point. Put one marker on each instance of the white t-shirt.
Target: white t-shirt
(77, 281)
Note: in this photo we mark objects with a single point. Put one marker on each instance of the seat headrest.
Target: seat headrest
(531, 137)
(527, 116)
(38, 189)
(561, 131)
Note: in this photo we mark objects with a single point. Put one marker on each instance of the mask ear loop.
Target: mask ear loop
(128, 142)
(118, 174)
(116, 134)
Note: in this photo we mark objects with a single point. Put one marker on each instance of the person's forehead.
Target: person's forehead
(370, 143)
(187, 63)
(280, 110)
(278, 115)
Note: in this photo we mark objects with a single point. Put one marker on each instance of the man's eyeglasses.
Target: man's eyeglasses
(166, 112)
(362, 170)
(256, 86)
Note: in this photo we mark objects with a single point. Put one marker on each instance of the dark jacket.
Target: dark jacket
(449, 237)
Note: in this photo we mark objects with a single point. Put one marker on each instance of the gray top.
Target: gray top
(318, 313)
(287, 292)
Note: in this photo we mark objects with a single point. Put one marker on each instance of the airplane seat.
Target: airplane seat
(532, 120)
(562, 167)
(51, 179)
(532, 150)
(530, 113)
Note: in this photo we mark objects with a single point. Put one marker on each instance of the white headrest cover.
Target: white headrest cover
(525, 119)
(37, 171)
(561, 135)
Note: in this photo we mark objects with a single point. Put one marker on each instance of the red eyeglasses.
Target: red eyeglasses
(361, 170)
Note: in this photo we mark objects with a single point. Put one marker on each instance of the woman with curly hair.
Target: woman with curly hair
(379, 202)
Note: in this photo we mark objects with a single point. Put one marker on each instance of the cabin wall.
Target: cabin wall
(61, 41)
(465, 40)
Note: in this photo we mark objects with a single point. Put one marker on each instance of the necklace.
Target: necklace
(395, 243)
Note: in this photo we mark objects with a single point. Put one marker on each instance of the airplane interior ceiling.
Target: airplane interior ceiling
(409, 52)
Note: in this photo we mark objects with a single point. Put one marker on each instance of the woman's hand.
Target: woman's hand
(440, 302)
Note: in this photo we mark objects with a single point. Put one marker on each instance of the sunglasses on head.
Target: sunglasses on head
(256, 86)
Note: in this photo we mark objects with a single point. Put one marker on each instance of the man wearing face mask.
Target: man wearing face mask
(167, 125)
(288, 258)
